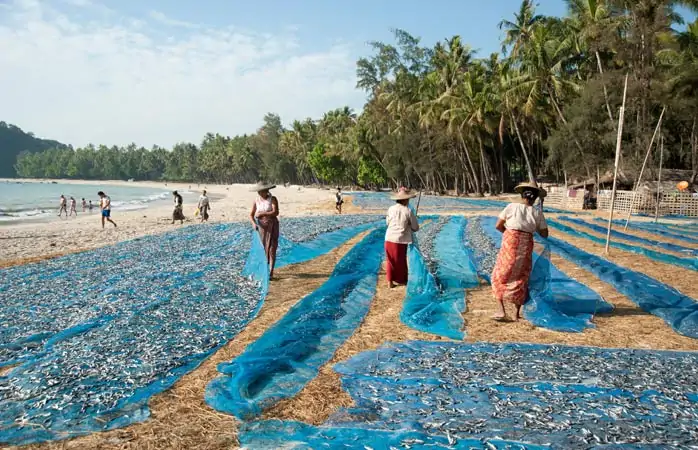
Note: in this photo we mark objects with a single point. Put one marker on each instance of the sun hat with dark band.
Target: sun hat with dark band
(259, 187)
(530, 186)
(403, 195)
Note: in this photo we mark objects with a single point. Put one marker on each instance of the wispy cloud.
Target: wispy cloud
(115, 79)
(165, 20)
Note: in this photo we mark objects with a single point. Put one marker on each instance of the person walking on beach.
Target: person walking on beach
(265, 219)
(402, 223)
(84, 205)
(518, 222)
(339, 200)
(204, 206)
(73, 206)
(178, 213)
(105, 208)
(63, 206)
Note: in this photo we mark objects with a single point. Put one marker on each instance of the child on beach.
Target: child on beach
(73, 206)
(84, 205)
(62, 206)
(105, 207)
(90, 206)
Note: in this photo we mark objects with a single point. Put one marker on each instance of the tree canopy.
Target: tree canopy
(443, 117)
(14, 141)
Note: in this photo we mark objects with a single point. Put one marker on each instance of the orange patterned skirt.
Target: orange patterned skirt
(513, 267)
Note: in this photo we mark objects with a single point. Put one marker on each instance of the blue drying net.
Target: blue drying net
(678, 310)
(107, 329)
(290, 354)
(686, 263)
(534, 395)
(632, 238)
(439, 274)
(276, 434)
(683, 234)
(555, 301)
(303, 247)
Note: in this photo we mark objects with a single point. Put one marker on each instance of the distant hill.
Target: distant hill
(14, 141)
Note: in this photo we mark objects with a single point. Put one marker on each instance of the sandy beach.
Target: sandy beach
(27, 241)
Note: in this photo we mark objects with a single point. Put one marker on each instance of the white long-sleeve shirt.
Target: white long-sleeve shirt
(401, 223)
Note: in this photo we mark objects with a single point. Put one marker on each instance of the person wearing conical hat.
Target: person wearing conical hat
(402, 223)
(518, 222)
(265, 219)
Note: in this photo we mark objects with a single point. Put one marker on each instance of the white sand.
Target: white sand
(56, 236)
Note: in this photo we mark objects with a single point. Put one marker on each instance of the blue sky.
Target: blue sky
(163, 71)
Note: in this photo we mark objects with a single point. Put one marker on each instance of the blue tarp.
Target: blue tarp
(435, 302)
(565, 397)
(276, 434)
(678, 310)
(289, 354)
(556, 301)
(632, 238)
(132, 319)
(686, 263)
(659, 228)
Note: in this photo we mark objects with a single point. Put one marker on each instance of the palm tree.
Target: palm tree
(520, 31)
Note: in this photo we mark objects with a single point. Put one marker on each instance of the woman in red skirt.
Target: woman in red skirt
(402, 222)
(518, 221)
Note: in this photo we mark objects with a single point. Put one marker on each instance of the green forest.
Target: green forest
(13, 141)
(446, 118)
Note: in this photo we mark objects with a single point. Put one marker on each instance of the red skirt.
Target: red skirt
(513, 267)
(396, 254)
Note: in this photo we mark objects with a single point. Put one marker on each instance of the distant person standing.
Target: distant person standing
(84, 205)
(105, 207)
(73, 206)
(63, 206)
(204, 206)
(90, 206)
(339, 200)
(178, 213)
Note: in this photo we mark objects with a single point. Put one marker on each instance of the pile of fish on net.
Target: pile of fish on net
(570, 397)
(425, 241)
(303, 229)
(99, 332)
(483, 249)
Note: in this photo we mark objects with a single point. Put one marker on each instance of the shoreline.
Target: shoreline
(35, 240)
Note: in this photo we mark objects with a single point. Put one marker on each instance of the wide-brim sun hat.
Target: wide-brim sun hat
(523, 186)
(403, 195)
(259, 187)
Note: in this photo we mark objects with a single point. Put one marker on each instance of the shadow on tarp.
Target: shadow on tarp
(678, 310)
(291, 435)
(556, 301)
(669, 231)
(434, 303)
(290, 354)
(564, 397)
(631, 238)
(686, 263)
(295, 253)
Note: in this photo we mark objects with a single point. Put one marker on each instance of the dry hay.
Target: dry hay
(324, 395)
(627, 326)
(180, 418)
(684, 280)
(4, 264)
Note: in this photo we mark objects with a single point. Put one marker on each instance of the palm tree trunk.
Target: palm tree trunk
(470, 163)
(694, 153)
(531, 176)
(485, 175)
(605, 91)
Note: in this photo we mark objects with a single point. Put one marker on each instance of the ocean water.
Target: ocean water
(37, 200)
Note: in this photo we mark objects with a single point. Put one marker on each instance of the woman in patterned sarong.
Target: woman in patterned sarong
(518, 221)
(264, 218)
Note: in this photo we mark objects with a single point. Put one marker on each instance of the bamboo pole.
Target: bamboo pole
(659, 178)
(416, 210)
(621, 116)
(642, 170)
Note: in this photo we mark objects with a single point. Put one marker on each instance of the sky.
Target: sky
(165, 71)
